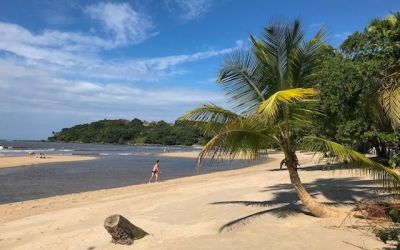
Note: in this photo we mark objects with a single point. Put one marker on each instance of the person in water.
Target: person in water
(155, 171)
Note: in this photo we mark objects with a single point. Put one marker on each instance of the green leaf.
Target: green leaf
(271, 106)
(388, 177)
(209, 117)
(247, 137)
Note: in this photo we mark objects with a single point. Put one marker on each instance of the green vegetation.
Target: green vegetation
(294, 94)
(390, 231)
(131, 132)
(359, 84)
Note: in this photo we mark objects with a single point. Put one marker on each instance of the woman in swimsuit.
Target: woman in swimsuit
(155, 171)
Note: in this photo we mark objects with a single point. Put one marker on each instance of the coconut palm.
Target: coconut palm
(267, 88)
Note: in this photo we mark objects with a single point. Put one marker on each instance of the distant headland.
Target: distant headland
(136, 131)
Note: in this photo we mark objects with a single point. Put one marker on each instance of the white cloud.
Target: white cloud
(51, 38)
(27, 89)
(152, 69)
(341, 36)
(162, 63)
(72, 48)
(50, 74)
(50, 45)
(192, 9)
(77, 54)
(124, 23)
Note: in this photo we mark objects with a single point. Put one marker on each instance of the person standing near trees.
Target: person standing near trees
(155, 171)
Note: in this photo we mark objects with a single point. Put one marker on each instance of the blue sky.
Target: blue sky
(66, 62)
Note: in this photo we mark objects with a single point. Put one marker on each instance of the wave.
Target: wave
(10, 150)
(125, 153)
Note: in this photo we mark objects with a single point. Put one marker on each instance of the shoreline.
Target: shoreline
(195, 153)
(182, 213)
(31, 207)
(26, 161)
(106, 143)
(186, 154)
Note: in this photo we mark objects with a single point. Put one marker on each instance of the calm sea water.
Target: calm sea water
(116, 166)
(16, 148)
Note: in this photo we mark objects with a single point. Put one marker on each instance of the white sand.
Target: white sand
(17, 161)
(179, 214)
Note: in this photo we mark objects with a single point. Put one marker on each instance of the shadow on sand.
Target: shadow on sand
(285, 202)
(322, 167)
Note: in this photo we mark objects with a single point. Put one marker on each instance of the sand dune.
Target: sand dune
(188, 213)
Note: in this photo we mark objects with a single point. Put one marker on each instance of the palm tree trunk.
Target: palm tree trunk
(316, 208)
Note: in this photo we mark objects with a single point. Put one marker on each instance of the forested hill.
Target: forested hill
(131, 132)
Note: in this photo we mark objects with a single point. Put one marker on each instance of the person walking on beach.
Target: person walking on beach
(155, 171)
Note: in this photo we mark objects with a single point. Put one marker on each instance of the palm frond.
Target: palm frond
(209, 117)
(274, 44)
(270, 77)
(239, 77)
(270, 107)
(305, 59)
(247, 137)
(372, 105)
(390, 100)
(390, 97)
(276, 49)
(301, 115)
(388, 177)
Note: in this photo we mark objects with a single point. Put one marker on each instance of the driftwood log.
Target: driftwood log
(122, 230)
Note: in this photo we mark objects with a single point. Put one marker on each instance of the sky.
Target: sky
(66, 62)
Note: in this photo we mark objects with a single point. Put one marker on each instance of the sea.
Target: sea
(115, 166)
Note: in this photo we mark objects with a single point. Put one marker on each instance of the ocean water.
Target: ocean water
(116, 166)
(19, 148)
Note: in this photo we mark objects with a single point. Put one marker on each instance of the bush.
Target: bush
(394, 162)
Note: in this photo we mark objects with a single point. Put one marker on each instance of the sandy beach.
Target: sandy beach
(188, 213)
(18, 161)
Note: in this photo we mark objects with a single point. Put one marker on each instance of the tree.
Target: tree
(380, 40)
(123, 131)
(379, 45)
(346, 92)
(359, 86)
(274, 107)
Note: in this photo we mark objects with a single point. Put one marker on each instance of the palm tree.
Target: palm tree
(267, 88)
